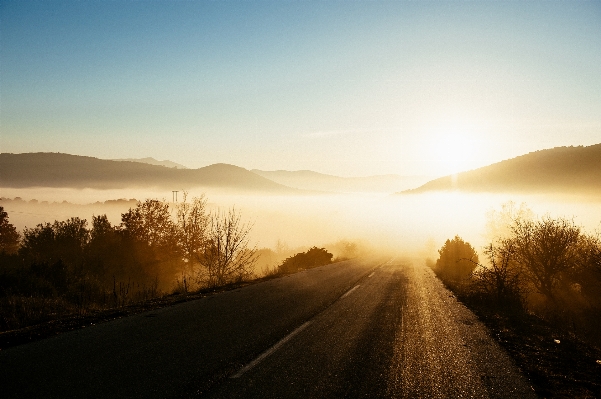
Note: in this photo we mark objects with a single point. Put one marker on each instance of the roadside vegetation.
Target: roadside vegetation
(74, 269)
(539, 291)
(314, 257)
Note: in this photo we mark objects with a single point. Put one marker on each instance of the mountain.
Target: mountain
(152, 161)
(309, 180)
(566, 170)
(72, 171)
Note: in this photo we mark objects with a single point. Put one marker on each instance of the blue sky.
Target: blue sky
(343, 87)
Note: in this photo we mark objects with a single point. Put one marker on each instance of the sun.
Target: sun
(452, 151)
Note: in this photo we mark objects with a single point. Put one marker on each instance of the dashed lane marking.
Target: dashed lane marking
(349, 291)
(270, 351)
(283, 341)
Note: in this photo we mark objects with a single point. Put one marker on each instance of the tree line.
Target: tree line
(545, 266)
(71, 265)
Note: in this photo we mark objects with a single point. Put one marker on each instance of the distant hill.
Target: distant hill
(152, 161)
(566, 170)
(309, 180)
(72, 171)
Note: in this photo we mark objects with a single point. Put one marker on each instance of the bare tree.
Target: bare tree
(227, 256)
(192, 222)
(502, 279)
(547, 250)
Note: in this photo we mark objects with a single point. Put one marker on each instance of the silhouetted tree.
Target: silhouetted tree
(502, 278)
(150, 222)
(106, 259)
(547, 250)
(227, 256)
(152, 240)
(457, 260)
(56, 252)
(586, 272)
(48, 243)
(9, 237)
(192, 225)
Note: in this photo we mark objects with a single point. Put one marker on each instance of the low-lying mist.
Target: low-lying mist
(415, 224)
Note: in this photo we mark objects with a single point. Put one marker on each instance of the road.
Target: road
(361, 328)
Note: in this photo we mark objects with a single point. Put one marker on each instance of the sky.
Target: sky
(350, 88)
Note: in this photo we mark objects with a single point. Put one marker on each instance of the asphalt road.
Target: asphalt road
(361, 328)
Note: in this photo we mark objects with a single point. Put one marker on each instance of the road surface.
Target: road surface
(362, 328)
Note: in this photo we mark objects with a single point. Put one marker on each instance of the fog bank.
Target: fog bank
(401, 223)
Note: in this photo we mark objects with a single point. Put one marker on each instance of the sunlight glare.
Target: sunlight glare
(453, 150)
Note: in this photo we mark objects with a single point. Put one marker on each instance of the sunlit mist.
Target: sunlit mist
(400, 223)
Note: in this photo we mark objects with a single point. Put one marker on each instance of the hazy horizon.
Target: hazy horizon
(410, 224)
(343, 88)
(448, 243)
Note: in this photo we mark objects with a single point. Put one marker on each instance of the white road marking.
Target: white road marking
(283, 341)
(372, 273)
(270, 351)
(349, 291)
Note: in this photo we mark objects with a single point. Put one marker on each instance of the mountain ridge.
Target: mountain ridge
(311, 180)
(151, 161)
(555, 170)
(74, 171)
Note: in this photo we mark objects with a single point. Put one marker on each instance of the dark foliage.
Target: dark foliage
(68, 268)
(9, 237)
(457, 261)
(540, 294)
(314, 257)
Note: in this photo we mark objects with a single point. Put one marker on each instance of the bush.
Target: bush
(457, 261)
(314, 257)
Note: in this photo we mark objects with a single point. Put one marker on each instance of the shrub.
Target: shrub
(314, 257)
(456, 262)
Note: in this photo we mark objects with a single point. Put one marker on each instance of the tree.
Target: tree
(152, 238)
(227, 256)
(457, 260)
(150, 222)
(49, 243)
(502, 278)
(192, 226)
(105, 252)
(56, 252)
(9, 237)
(547, 250)
(587, 272)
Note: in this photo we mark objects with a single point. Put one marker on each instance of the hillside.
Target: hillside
(309, 180)
(566, 170)
(152, 161)
(72, 171)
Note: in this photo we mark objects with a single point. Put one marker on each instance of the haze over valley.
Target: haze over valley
(301, 208)
(300, 199)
